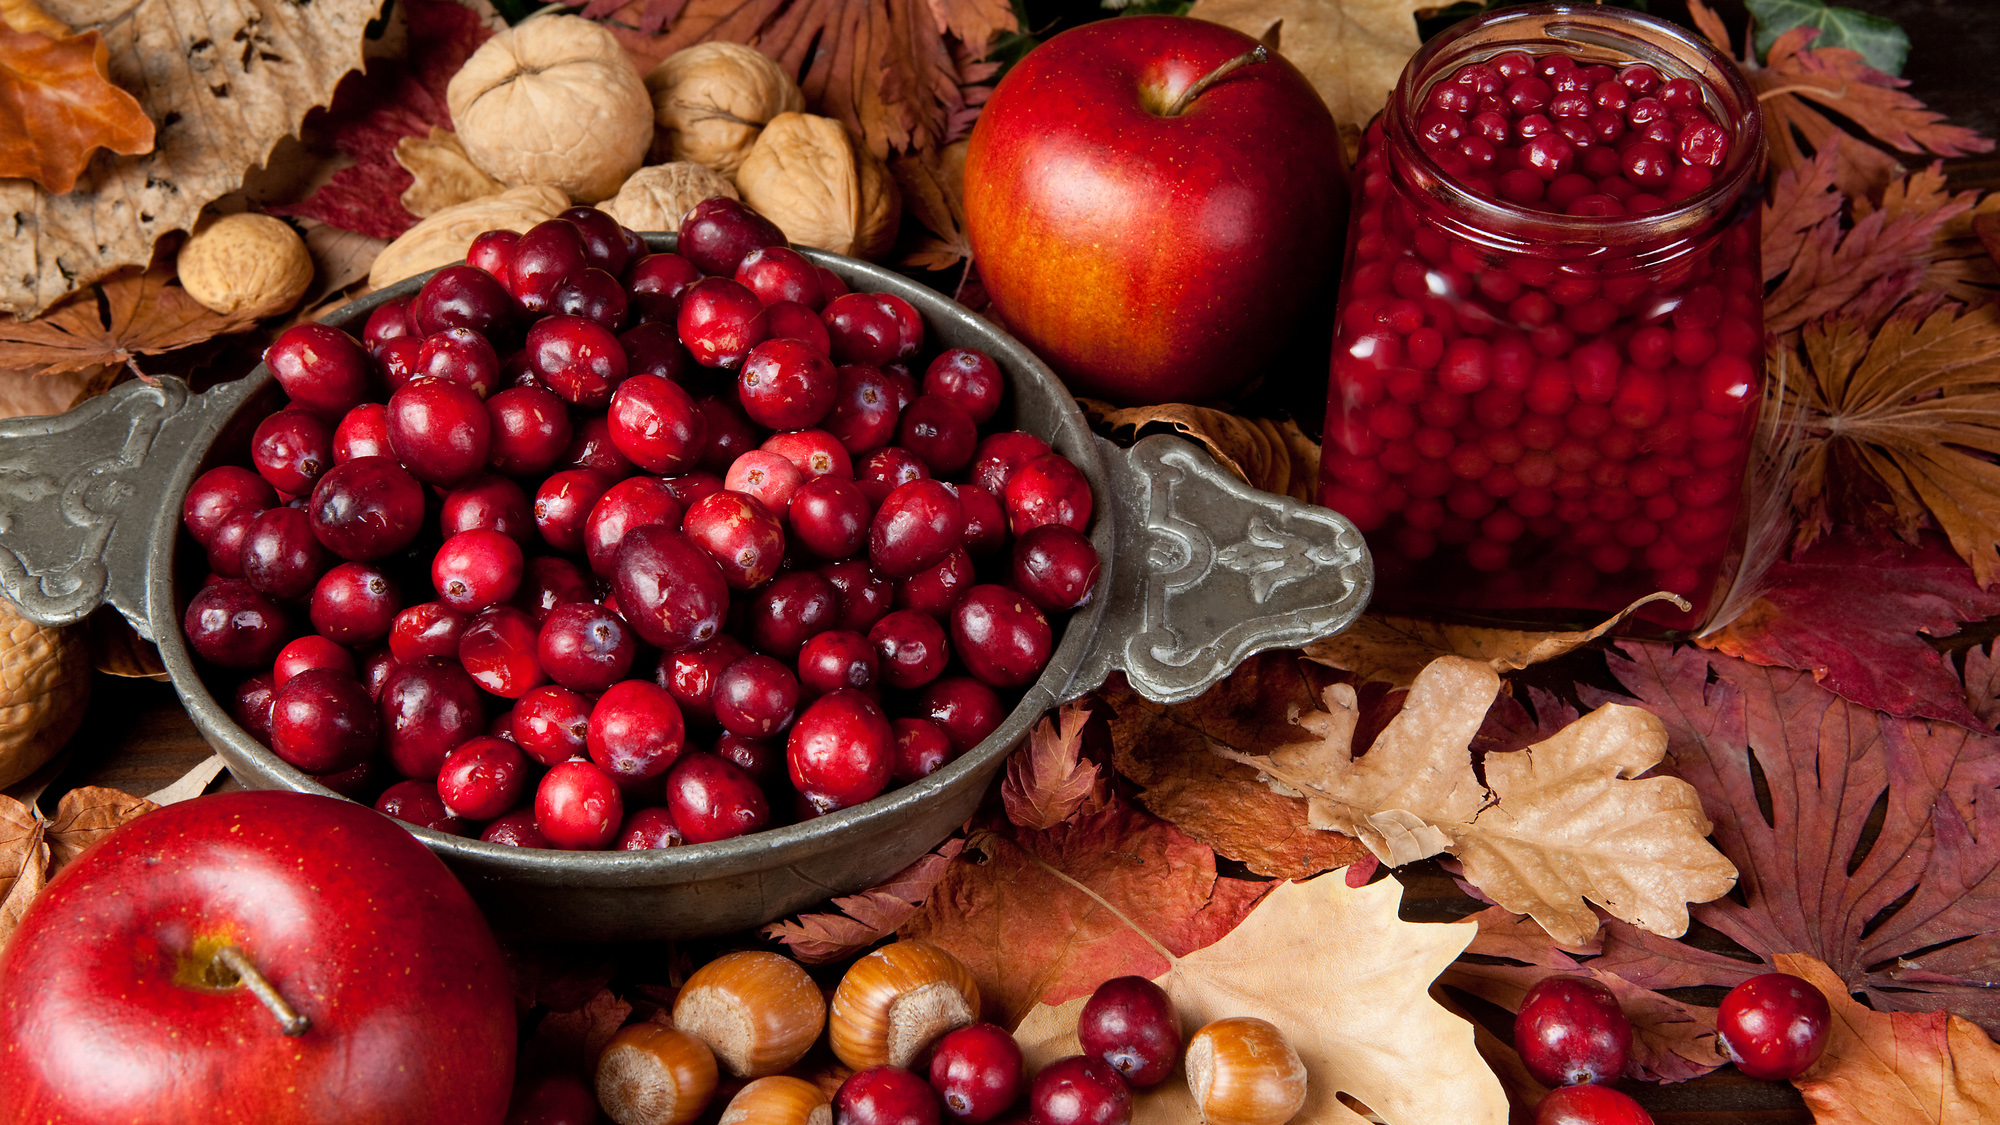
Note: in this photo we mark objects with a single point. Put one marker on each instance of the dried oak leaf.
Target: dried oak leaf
(1274, 456)
(1048, 780)
(1353, 51)
(441, 174)
(112, 324)
(1895, 1068)
(24, 862)
(1048, 916)
(61, 107)
(224, 83)
(1909, 406)
(1346, 980)
(86, 815)
(933, 185)
(574, 1039)
(868, 916)
(1982, 685)
(1854, 613)
(1395, 650)
(1165, 750)
(1567, 820)
(1868, 841)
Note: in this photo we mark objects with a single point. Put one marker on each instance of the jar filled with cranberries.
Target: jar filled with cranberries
(1549, 350)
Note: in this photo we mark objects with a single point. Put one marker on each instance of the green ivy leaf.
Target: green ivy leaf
(1880, 42)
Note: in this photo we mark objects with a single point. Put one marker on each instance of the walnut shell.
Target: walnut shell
(44, 687)
(445, 237)
(553, 100)
(714, 98)
(807, 175)
(251, 264)
(655, 198)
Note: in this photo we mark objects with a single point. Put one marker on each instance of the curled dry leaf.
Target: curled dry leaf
(1048, 780)
(1346, 981)
(1895, 1068)
(191, 784)
(933, 186)
(1353, 51)
(867, 917)
(575, 1038)
(441, 174)
(1396, 649)
(1274, 456)
(85, 815)
(1567, 820)
(61, 107)
(24, 862)
(131, 315)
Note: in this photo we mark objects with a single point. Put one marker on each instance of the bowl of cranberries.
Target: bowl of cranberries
(667, 585)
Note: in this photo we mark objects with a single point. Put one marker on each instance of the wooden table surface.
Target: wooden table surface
(137, 737)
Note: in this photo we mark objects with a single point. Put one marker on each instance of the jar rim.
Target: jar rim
(1636, 34)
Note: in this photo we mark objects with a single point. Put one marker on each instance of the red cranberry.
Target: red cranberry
(322, 721)
(644, 830)
(916, 526)
(1570, 1030)
(911, 646)
(440, 431)
(864, 410)
(585, 647)
(281, 556)
(251, 707)
(671, 590)
(788, 611)
(461, 356)
(740, 534)
(367, 509)
(498, 650)
(462, 296)
(763, 759)
(563, 505)
(492, 251)
(1130, 1024)
(904, 383)
(690, 674)
(590, 447)
(755, 696)
(547, 583)
(635, 732)
(375, 666)
(656, 425)
(815, 452)
(303, 654)
(835, 659)
(789, 320)
(1773, 1026)
(428, 707)
(940, 432)
(488, 503)
(548, 252)
(398, 360)
(786, 385)
(770, 477)
(475, 569)
(220, 493)
(830, 283)
(593, 295)
(1079, 1090)
(985, 519)
(653, 349)
(550, 724)
(965, 709)
(482, 778)
(425, 630)
(921, 750)
(354, 604)
(720, 322)
(320, 367)
(909, 325)
(884, 470)
(829, 517)
(516, 829)
(1055, 566)
(417, 802)
(718, 233)
(978, 1071)
(577, 806)
(1048, 490)
(969, 378)
(656, 283)
(730, 433)
(579, 360)
(633, 502)
(861, 596)
(1590, 1105)
(390, 320)
(937, 590)
(530, 430)
(291, 448)
(225, 545)
(363, 432)
(886, 1095)
(779, 273)
(1001, 455)
(840, 750)
(862, 330)
(712, 798)
(603, 238)
(1002, 638)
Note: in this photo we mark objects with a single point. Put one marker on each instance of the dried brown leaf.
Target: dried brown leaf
(933, 186)
(1346, 981)
(1048, 780)
(1885, 255)
(1274, 456)
(60, 105)
(578, 1037)
(128, 316)
(870, 915)
(86, 815)
(442, 175)
(1353, 51)
(24, 863)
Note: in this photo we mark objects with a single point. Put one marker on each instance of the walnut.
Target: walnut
(807, 175)
(44, 686)
(444, 176)
(255, 265)
(553, 100)
(445, 237)
(713, 99)
(655, 198)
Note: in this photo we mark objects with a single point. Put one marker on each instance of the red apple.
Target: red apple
(1149, 254)
(114, 1004)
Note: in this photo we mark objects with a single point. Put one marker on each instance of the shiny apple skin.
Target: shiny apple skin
(1147, 258)
(354, 922)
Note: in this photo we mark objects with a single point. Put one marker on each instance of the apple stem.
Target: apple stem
(289, 1019)
(1256, 54)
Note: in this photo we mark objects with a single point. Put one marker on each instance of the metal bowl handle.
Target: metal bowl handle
(1223, 571)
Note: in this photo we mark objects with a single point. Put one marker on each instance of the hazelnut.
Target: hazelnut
(444, 237)
(655, 198)
(650, 1074)
(44, 686)
(779, 1100)
(1243, 1072)
(759, 1012)
(246, 264)
(807, 175)
(713, 98)
(896, 1000)
(553, 100)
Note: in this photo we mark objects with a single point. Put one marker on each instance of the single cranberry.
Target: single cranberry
(363, 432)
(1049, 489)
(440, 431)
(786, 385)
(354, 604)
(482, 778)
(653, 349)
(462, 296)
(763, 759)
(585, 647)
(303, 654)
(940, 432)
(740, 534)
(915, 527)
(644, 830)
(550, 724)
(548, 582)
(225, 544)
(595, 296)
(865, 412)
(603, 238)
(690, 674)
(251, 707)
(779, 273)
(375, 666)
(720, 321)
(517, 830)
(1773, 1026)
(1001, 455)
(428, 707)
(978, 1070)
(390, 320)
(1055, 566)
(1079, 1090)
(830, 517)
(1130, 1024)
(831, 283)
(712, 798)
(475, 569)
(462, 356)
(548, 252)
(755, 696)
(789, 320)
(590, 447)
(770, 477)
(1571, 1030)
(320, 367)
(530, 429)
(840, 750)
(656, 425)
(969, 378)
(862, 597)
(938, 589)
(577, 806)
(281, 556)
(563, 505)
(581, 361)
(912, 648)
(426, 630)
(668, 588)
(965, 709)
(322, 721)
(291, 449)
(886, 1095)
(784, 614)
(1590, 1105)
(498, 650)
(1002, 638)
(656, 283)
(730, 433)
(815, 452)
(398, 360)
(493, 251)
(718, 233)
(884, 470)
(488, 502)
(985, 519)
(921, 750)
(417, 802)
(635, 732)
(904, 383)
(835, 659)
(220, 493)
(862, 330)
(909, 325)
(633, 502)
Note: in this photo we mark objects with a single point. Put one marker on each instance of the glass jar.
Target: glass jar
(1549, 347)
